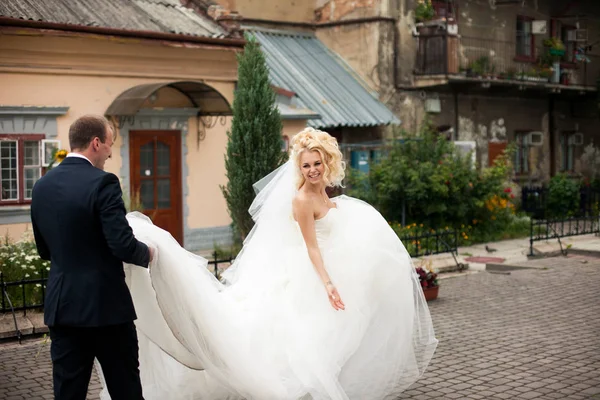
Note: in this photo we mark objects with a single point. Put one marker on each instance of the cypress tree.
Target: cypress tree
(254, 141)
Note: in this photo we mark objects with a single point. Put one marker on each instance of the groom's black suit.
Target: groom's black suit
(79, 224)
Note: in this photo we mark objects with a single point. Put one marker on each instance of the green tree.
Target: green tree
(430, 182)
(254, 146)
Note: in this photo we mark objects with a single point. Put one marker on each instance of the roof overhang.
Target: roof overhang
(207, 99)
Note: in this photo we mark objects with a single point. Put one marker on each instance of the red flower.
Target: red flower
(512, 196)
(507, 190)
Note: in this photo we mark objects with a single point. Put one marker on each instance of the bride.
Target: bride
(321, 303)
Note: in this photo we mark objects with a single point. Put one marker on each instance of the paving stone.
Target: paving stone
(527, 335)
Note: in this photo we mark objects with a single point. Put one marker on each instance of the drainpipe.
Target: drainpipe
(551, 128)
(456, 116)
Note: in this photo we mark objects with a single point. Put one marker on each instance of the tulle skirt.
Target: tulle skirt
(270, 332)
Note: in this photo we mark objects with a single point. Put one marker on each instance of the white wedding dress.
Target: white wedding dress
(269, 332)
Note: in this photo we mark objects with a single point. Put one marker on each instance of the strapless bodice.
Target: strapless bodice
(323, 225)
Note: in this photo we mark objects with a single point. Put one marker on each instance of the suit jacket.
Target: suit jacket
(79, 224)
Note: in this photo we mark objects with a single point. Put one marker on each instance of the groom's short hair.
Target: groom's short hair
(85, 129)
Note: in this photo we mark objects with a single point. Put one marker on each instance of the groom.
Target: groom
(79, 224)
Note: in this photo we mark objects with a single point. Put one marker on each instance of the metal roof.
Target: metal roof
(322, 80)
(167, 16)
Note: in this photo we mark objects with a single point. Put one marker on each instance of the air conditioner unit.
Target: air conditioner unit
(576, 139)
(539, 27)
(535, 138)
(433, 106)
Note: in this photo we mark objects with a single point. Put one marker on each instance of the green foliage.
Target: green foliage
(438, 189)
(424, 11)
(20, 261)
(254, 146)
(563, 196)
(482, 66)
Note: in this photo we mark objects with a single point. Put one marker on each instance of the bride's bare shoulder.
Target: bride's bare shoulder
(301, 200)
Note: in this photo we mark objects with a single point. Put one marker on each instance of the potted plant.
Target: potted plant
(555, 46)
(424, 11)
(555, 50)
(429, 282)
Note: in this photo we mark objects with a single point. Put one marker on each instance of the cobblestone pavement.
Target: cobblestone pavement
(26, 372)
(530, 334)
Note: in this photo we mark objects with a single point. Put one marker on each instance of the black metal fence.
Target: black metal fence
(215, 262)
(472, 57)
(547, 229)
(534, 201)
(17, 295)
(426, 244)
(21, 299)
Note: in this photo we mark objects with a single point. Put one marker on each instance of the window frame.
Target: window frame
(20, 139)
(522, 57)
(566, 149)
(522, 153)
(568, 59)
(450, 8)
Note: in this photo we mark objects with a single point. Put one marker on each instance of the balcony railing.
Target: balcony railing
(442, 54)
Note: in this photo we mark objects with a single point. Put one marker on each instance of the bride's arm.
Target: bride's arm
(306, 219)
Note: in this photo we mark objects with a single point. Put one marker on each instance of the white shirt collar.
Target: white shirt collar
(79, 156)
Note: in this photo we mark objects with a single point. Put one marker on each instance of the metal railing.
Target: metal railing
(426, 244)
(216, 261)
(547, 229)
(22, 301)
(534, 200)
(443, 54)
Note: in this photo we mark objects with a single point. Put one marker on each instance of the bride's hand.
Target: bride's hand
(334, 297)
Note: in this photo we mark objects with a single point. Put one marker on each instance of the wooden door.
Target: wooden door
(495, 149)
(155, 170)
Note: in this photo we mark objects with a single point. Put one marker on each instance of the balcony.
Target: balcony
(443, 59)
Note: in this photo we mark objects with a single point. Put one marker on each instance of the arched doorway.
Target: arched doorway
(153, 124)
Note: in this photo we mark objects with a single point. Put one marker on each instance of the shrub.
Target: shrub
(563, 196)
(20, 261)
(424, 179)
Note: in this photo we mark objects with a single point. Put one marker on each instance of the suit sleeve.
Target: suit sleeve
(40, 243)
(117, 232)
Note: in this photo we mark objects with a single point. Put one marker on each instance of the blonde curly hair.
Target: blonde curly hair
(311, 139)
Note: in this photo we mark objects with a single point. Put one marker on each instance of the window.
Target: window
(522, 153)
(444, 10)
(20, 167)
(525, 44)
(567, 150)
(567, 35)
(359, 159)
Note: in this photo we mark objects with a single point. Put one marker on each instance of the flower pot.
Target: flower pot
(431, 293)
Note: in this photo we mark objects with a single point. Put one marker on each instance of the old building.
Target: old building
(163, 73)
(522, 72)
(345, 103)
(482, 70)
